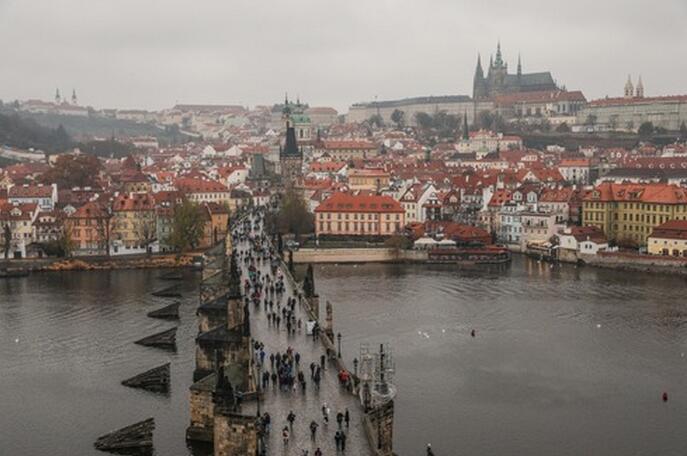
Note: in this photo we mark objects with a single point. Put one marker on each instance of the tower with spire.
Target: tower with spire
(58, 98)
(640, 88)
(498, 81)
(629, 88)
(74, 99)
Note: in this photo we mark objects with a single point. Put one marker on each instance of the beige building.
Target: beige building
(451, 104)
(631, 111)
(669, 238)
(368, 179)
(350, 214)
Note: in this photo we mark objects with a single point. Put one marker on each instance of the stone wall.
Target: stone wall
(359, 255)
(235, 435)
(636, 262)
(379, 427)
(202, 416)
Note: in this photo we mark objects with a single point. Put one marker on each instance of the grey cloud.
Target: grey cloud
(153, 53)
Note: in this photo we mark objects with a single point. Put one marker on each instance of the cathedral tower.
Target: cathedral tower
(629, 88)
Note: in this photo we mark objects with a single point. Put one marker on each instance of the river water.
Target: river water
(565, 361)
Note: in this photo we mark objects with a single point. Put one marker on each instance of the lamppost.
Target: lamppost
(338, 337)
(355, 367)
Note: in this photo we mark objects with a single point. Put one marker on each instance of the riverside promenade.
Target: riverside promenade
(307, 405)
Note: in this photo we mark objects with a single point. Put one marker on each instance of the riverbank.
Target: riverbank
(358, 255)
(623, 261)
(103, 263)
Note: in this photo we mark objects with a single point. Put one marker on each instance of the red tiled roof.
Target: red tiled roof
(193, 185)
(627, 101)
(134, 202)
(643, 193)
(30, 191)
(672, 229)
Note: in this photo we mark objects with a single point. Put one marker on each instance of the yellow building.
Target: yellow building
(670, 238)
(627, 213)
(133, 223)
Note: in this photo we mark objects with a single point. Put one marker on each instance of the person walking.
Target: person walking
(347, 418)
(313, 429)
(339, 419)
(429, 450)
(343, 441)
(291, 417)
(285, 435)
(325, 413)
(318, 452)
(337, 440)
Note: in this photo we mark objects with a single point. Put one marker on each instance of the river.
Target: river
(565, 361)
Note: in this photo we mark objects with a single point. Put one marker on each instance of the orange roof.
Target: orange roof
(348, 144)
(672, 229)
(133, 202)
(194, 185)
(347, 202)
(619, 101)
(643, 193)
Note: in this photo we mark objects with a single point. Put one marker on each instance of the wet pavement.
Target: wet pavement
(307, 406)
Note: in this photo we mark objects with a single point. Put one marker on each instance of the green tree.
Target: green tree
(398, 117)
(424, 121)
(683, 130)
(563, 128)
(7, 239)
(397, 243)
(646, 130)
(187, 226)
(590, 121)
(73, 171)
(293, 216)
(376, 120)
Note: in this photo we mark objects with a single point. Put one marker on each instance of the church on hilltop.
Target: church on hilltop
(499, 82)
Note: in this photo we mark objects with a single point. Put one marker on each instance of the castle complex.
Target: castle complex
(499, 82)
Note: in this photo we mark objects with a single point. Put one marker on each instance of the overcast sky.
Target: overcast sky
(154, 53)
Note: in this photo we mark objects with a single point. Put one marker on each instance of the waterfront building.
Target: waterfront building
(538, 227)
(510, 226)
(19, 218)
(628, 213)
(669, 238)
(576, 240)
(357, 214)
(89, 229)
(133, 225)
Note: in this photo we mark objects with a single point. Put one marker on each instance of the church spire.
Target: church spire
(466, 133)
(499, 56)
(640, 88)
(519, 65)
(74, 99)
(58, 98)
(479, 72)
(629, 88)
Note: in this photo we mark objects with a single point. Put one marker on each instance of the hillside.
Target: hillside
(86, 128)
(22, 133)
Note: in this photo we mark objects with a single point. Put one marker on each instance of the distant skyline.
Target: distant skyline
(153, 54)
